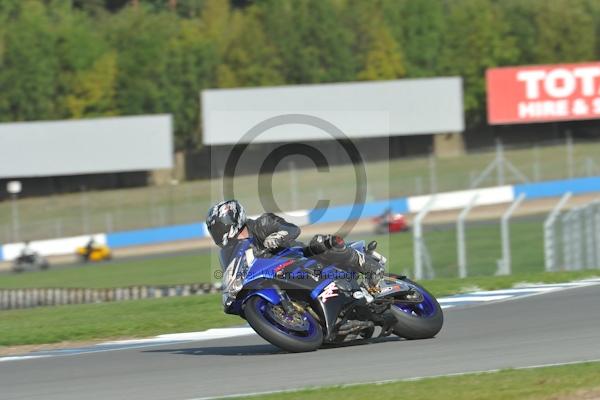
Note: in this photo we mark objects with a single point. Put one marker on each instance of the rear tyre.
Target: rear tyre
(260, 314)
(418, 321)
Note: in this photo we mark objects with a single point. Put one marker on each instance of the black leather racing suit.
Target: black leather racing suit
(268, 224)
(325, 248)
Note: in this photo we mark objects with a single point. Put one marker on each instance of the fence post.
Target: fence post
(577, 238)
(58, 228)
(597, 231)
(16, 220)
(537, 176)
(418, 245)
(460, 237)
(549, 234)
(566, 233)
(500, 161)
(590, 251)
(569, 147)
(505, 267)
(85, 218)
(589, 166)
(108, 221)
(418, 185)
(432, 173)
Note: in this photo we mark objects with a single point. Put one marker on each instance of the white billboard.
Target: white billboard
(87, 146)
(360, 110)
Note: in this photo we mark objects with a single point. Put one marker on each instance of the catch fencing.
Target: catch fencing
(109, 211)
(567, 238)
(572, 238)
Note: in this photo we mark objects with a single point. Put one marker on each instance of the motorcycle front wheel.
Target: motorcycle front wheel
(294, 333)
(418, 321)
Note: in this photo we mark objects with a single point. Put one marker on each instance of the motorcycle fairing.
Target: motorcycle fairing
(263, 274)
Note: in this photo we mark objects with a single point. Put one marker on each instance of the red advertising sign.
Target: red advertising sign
(542, 93)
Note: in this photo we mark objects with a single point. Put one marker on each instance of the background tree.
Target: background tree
(77, 59)
(565, 31)
(87, 70)
(92, 91)
(383, 60)
(476, 38)
(249, 58)
(29, 64)
(141, 40)
(192, 62)
(312, 44)
(418, 27)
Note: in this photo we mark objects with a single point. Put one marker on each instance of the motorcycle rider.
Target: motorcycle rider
(227, 222)
(387, 215)
(89, 248)
(27, 253)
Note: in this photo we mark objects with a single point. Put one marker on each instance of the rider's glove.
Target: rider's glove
(336, 242)
(275, 240)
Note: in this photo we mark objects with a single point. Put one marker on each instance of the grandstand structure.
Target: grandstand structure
(50, 157)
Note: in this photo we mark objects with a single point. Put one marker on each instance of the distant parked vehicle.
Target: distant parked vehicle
(390, 222)
(30, 262)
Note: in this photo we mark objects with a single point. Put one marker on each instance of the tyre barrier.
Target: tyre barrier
(11, 299)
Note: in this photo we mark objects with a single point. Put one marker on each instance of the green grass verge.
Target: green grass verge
(113, 320)
(561, 382)
(160, 270)
(483, 249)
(182, 314)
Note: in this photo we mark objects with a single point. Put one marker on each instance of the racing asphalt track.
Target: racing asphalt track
(556, 327)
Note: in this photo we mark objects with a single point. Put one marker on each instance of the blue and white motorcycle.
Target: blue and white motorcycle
(299, 305)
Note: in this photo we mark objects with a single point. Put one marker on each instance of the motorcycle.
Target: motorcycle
(390, 224)
(299, 305)
(30, 262)
(97, 253)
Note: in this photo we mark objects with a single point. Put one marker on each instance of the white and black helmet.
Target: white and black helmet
(225, 220)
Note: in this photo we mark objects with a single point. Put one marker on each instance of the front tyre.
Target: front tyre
(294, 333)
(418, 321)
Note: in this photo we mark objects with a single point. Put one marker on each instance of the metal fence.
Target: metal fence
(572, 238)
(564, 239)
(184, 202)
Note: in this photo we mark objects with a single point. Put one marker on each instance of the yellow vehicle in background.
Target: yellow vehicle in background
(94, 252)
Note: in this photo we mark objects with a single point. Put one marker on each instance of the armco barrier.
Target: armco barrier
(445, 201)
(29, 298)
(461, 198)
(558, 188)
(52, 247)
(345, 212)
(156, 235)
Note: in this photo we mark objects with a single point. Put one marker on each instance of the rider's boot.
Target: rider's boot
(334, 249)
(373, 272)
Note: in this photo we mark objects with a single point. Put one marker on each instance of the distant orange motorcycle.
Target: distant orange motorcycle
(95, 253)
